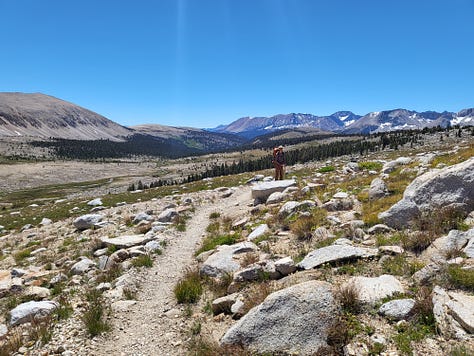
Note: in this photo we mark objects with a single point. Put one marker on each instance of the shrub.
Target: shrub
(418, 242)
(340, 333)
(214, 215)
(370, 166)
(461, 278)
(21, 255)
(142, 261)
(94, 313)
(399, 266)
(348, 297)
(219, 286)
(110, 274)
(326, 169)
(211, 242)
(189, 288)
(423, 309)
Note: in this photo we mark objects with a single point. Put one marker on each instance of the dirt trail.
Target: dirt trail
(155, 324)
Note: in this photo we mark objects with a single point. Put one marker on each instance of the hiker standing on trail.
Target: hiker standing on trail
(279, 162)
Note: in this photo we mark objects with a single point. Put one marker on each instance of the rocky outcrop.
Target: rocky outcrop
(449, 188)
(295, 319)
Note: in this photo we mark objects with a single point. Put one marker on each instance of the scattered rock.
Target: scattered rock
(222, 261)
(263, 190)
(370, 290)
(87, 221)
(25, 311)
(397, 309)
(258, 231)
(95, 202)
(82, 266)
(335, 253)
(126, 241)
(285, 266)
(379, 229)
(167, 215)
(276, 197)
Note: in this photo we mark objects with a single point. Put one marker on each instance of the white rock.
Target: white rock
(258, 232)
(263, 190)
(95, 202)
(335, 253)
(371, 290)
(25, 311)
(82, 266)
(126, 241)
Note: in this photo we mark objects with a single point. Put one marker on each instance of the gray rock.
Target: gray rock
(276, 197)
(82, 266)
(288, 208)
(3, 330)
(321, 233)
(274, 326)
(451, 187)
(370, 290)
(167, 215)
(341, 195)
(335, 253)
(258, 231)
(126, 241)
(378, 189)
(87, 221)
(224, 304)
(26, 311)
(453, 313)
(338, 204)
(389, 167)
(153, 246)
(240, 223)
(61, 277)
(263, 190)
(397, 309)
(257, 271)
(45, 222)
(222, 261)
(95, 202)
(17, 272)
(379, 229)
(427, 273)
(285, 266)
(35, 292)
(143, 216)
(393, 250)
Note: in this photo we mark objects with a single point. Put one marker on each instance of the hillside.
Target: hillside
(358, 254)
(44, 116)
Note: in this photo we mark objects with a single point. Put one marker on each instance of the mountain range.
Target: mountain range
(346, 122)
(42, 116)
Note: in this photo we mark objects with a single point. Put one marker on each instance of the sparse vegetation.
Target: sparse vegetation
(142, 261)
(189, 288)
(94, 316)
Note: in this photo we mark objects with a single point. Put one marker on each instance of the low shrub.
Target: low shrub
(370, 166)
(348, 297)
(214, 215)
(189, 288)
(94, 316)
(326, 169)
(460, 278)
(211, 242)
(142, 261)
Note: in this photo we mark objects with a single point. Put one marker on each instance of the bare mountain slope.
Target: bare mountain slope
(44, 116)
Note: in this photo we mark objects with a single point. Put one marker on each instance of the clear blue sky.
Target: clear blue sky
(207, 62)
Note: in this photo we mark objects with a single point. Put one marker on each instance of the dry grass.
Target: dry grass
(348, 297)
(304, 225)
(256, 295)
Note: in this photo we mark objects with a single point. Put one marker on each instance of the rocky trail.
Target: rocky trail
(154, 324)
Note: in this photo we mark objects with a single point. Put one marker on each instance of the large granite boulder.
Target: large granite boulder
(24, 312)
(448, 188)
(292, 320)
(263, 190)
(222, 261)
(335, 253)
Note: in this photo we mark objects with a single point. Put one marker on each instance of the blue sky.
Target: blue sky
(202, 63)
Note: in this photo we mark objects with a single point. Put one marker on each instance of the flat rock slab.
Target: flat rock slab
(263, 190)
(370, 290)
(292, 320)
(335, 253)
(126, 241)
